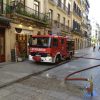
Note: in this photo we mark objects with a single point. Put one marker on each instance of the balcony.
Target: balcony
(84, 25)
(60, 5)
(86, 34)
(53, 2)
(65, 28)
(61, 26)
(77, 32)
(24, 12)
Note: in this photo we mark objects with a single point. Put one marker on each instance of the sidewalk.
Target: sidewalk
(12, 71)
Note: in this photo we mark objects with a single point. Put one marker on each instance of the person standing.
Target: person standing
(94, 48)
(99, 48)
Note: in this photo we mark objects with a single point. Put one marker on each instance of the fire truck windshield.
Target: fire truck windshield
(40, 42)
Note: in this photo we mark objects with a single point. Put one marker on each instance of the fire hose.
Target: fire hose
(89, 89)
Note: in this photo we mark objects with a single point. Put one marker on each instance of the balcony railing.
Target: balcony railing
(79, 16)
(61, 26)
(24, 11)
(84, 25)
(77, 32)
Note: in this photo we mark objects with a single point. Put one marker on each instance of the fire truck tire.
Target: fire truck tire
(58, 59)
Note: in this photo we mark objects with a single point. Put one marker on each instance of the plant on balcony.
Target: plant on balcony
(35, 16)
(8, 9)
(19, 8)
(45, 19)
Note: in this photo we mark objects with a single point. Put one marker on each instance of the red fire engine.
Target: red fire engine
(50, 48)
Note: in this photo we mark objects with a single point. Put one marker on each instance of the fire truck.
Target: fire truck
(50, 48)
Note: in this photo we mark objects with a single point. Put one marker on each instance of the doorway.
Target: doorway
(21, 40)
(2, 45)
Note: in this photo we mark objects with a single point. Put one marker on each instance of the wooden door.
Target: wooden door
(22, 45)
(2, 45)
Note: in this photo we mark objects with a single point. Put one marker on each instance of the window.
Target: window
(74, 8)
(64, 5)
(64, 21)
(62, 41)
(50, 14)
(68, 9)
(2, 45)
(76, 25)
(55, 42)
(58, 19)
(1, 6)
(40, 42)
(59, 3)
(36, 7)
(68, 23)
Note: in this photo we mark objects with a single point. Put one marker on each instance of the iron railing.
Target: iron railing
(20, 9)
(84, 25)
(62, 26)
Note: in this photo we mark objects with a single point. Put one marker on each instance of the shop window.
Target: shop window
(2, 46)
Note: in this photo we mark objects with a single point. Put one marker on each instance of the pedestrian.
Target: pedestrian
(99, 48)
(94, 48)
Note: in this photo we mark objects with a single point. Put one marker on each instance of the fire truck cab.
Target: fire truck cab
(50, 48)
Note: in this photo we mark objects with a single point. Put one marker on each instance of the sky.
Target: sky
(94, 11)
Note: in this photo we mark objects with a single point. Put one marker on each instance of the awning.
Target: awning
(4, 22)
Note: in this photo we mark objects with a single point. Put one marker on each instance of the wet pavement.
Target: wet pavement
(50, 85)
(62, 71)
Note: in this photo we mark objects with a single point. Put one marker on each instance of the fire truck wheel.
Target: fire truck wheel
(58, 59)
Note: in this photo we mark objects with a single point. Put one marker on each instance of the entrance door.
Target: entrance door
(2, 45)
(22, 45)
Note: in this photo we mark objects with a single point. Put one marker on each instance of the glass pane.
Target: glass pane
(1, 46)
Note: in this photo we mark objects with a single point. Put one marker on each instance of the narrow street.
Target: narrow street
(49, 85)
(49, 50)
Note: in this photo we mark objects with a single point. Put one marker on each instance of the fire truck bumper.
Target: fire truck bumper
(43, 59)
(47, 59)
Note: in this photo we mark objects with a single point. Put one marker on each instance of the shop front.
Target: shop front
(21, 44)
(4, 24)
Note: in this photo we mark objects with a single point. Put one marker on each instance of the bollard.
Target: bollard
(90, 88)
